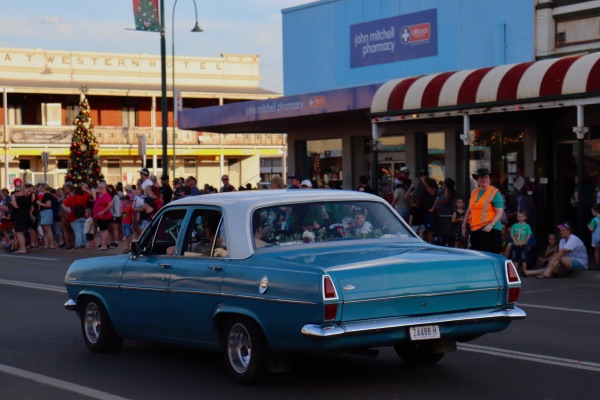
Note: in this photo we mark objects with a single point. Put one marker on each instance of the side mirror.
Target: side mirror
(136, 250)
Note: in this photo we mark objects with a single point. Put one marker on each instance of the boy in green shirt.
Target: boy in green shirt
(520, 234)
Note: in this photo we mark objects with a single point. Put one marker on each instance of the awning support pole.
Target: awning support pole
(376, 134)
(580, 130)
(6, 144)
(466, 139)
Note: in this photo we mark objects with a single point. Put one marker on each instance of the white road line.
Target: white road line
(31, 285)
(46, 380)
(561, 309)
(561, 362)
(26, 256)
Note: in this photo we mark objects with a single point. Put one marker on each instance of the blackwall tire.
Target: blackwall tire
(245, 350)
(97, 329)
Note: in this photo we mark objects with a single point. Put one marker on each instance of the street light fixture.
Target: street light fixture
(195, 29)
(163, 79)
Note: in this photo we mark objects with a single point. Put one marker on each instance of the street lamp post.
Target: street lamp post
(195, 29)
(163, 80)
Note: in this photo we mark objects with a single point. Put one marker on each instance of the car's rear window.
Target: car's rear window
(287, 224)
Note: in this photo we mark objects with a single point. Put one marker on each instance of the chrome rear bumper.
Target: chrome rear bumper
(400, 322)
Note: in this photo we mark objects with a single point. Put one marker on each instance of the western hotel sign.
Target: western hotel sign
(25, 63)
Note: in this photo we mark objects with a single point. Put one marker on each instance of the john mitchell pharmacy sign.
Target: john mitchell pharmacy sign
(394, 39)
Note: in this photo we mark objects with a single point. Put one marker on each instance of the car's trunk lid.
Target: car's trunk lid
(393, 281)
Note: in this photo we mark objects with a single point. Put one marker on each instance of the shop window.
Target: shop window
(501, 151)
(15, 114)
(189, 166)
(113, 171)
(436, 156)
(325, 162)
(51, 114)
(392, 157)
(129, 116)
(24, 164)
(72, 111)
(62, 164)
(150, 163)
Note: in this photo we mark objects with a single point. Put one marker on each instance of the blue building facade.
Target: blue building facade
(426, 67)
(333, 44)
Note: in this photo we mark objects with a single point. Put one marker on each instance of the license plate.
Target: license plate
(424, 332)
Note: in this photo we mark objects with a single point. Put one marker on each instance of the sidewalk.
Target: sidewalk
(74, 252)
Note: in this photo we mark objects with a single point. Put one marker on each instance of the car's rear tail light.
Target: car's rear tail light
(329, 293)
(511, 272)
(330, 311)
(514, 282)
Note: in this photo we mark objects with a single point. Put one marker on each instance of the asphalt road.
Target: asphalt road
(553, 354)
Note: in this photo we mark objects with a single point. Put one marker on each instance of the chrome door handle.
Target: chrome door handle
(165, 266)
(215, 268)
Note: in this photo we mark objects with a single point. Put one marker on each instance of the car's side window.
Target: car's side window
(220, 249)
(165, 232)
(324, 222)
(202, 233)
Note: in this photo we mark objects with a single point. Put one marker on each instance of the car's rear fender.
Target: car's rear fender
(222, 313)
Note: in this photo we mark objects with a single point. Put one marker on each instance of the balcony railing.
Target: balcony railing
(40, 135)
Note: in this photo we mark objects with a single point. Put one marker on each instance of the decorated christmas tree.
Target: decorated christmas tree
(84, 163)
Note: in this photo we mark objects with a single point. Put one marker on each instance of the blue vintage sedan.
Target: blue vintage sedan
(262, 274)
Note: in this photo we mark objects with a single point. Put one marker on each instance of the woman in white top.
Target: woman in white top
(400, 202)
(571, 256)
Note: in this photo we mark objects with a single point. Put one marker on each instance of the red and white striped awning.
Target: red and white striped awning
(525, 82)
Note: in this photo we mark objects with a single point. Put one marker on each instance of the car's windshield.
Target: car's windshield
(323, 222)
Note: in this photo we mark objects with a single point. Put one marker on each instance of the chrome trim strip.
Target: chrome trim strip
(148, 289)
(92, 285)
(500, 288)
(241, 296)
(400, 322)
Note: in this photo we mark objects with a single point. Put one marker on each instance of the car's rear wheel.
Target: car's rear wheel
(245, 350)
(418, 354)
(97, 328)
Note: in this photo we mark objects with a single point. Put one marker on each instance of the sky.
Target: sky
(230, 26)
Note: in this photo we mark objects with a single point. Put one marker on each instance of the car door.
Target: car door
(145, 279)
(195, 283)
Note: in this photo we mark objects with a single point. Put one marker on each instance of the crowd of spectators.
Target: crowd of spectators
(110, 216)
(79, 216)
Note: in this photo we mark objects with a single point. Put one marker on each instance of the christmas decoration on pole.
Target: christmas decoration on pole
(84, 162)
(145, 13)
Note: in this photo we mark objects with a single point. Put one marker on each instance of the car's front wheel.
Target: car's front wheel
(97, 328)
(245, 350)
(418, 354)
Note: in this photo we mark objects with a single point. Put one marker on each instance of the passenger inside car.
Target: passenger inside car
(258, 226)
(202, 239)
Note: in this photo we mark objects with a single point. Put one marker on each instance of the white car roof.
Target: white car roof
(238, 208)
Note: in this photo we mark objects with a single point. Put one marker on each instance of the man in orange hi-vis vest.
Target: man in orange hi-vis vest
(483, 215)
